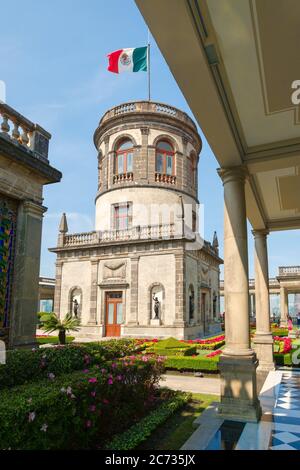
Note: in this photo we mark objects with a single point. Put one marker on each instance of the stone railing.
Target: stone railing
(146, 232)
(147, 107)
(123, 178)
(161, 178)
(273, 282)
(19, 130)
(289, 270)
(86, 238)
(47, 280)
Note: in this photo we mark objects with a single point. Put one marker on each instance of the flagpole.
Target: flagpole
(148, 67)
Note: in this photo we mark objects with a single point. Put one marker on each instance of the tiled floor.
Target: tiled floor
(279, 428)
(285, 432)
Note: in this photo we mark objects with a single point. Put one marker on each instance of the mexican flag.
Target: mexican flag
(128, 60)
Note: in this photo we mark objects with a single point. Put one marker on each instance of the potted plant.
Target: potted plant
(52, 323)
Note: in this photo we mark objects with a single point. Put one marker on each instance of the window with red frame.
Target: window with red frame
(124, 157)
(165, 158)
(122, 216)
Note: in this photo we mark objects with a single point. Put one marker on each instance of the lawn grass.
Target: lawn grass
(177, 429)
(53, 340)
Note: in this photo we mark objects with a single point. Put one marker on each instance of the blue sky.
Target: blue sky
(53, 60)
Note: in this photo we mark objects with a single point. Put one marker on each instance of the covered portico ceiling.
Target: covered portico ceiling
(235, 62)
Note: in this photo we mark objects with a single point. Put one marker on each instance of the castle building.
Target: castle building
(144, 271)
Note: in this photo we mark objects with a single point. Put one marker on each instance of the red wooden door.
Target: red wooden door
(114, 313)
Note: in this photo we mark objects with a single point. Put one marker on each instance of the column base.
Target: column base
(283, 323)
(263, 346)
(238, 388)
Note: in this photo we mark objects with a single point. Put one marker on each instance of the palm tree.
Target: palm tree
(52, 323)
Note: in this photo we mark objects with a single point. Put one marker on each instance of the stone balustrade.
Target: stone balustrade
(85, 238)
(147, 232)
(161, 178)
(147, 107)
(289, 270)
(123, 178)
(21, 131)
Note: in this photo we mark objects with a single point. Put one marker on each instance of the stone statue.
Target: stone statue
(75, 308)
(156, 307)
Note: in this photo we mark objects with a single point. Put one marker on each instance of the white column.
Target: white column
(284, 306)
(263, 340)
(238, 362)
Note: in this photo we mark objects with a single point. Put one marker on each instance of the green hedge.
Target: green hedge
(211, 346)
(24, 366)
(189, 351)
(280, 332)
(283, 359)
(172, 347)
(198, 363)
(139, 432)
(77, 411)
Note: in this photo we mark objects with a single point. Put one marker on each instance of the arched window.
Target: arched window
(124, 157)
(165, 158)
(192, 168)
(191, 302)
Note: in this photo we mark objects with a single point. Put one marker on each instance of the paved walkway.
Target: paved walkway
(279, 428)
(186, 383)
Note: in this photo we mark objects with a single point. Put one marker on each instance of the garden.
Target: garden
(94, 396)
(106, 395)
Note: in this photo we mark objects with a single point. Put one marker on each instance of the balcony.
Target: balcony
(148, 107)
(23, 133)
(147, 232)
(161, 178)
(289, 271)
(123, 178)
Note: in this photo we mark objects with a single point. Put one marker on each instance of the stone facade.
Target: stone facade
(24, 169)
(145, 248)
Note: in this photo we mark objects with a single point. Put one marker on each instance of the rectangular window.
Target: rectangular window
(169, 170)
(119, 313)
(122, 216)
(120, 164)
(110, 317)
(129, 162)
(159, 164)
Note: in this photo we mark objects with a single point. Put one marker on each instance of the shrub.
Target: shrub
(28, 365)
(139, 432)
(211, 346)
(280, 331)
(198, 363)
(189, 351)
(78, 410)
(172, 347)
(283, 359)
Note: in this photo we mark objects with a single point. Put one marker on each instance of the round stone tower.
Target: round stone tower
(147, 162)
(141, 271)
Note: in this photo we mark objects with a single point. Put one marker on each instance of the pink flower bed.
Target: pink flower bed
(287, 343)
(214, 353)
(216, 339)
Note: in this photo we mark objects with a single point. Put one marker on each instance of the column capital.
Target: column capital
(235, 173)
(260, 233)
(33, 208)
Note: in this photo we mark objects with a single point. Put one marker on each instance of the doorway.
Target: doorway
(114, 313)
